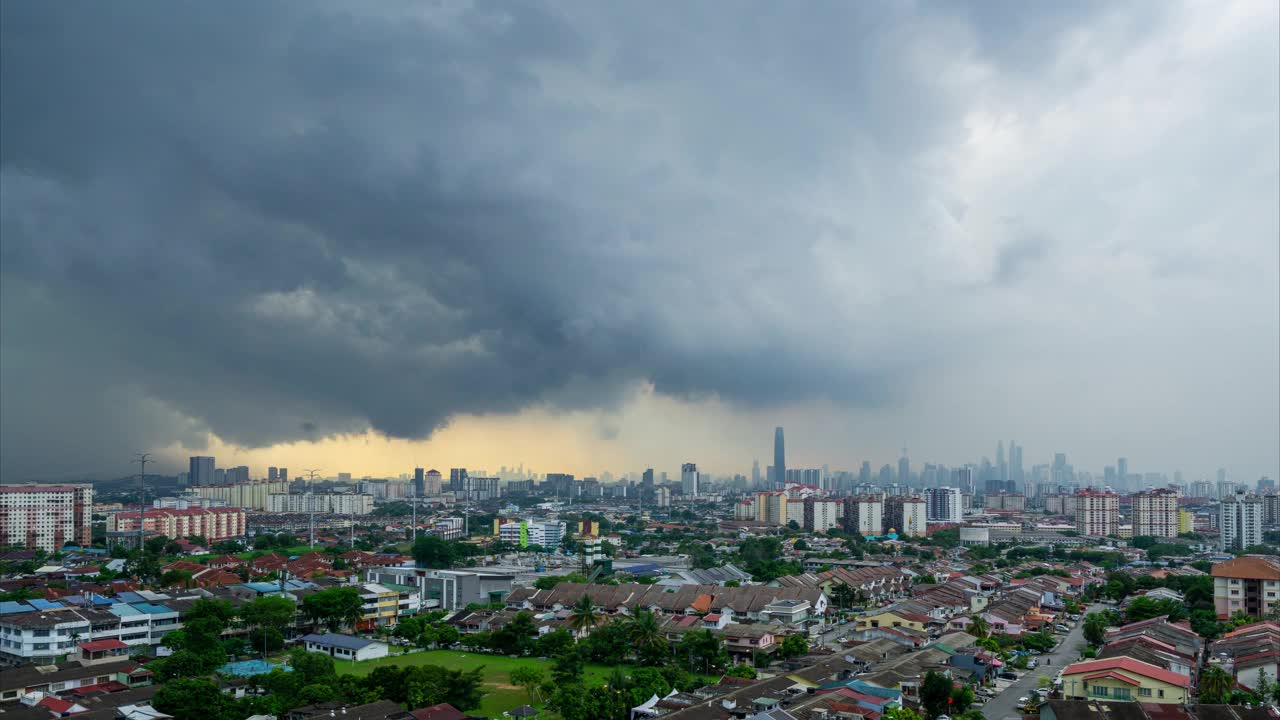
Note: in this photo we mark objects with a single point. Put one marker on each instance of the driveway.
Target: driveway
(1005, 704)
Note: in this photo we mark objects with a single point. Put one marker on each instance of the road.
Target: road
(1005, 705)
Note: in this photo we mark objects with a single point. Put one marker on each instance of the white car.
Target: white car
(1023, 701)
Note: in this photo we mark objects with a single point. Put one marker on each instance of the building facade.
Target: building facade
(249, 495)
(213, 524)
(1155, 513)
(46, 517)
(335, 503)
(1249, 584)
(689, 479)
(944, 505)
(820, 515)
(1097, 513)
(1240, 521)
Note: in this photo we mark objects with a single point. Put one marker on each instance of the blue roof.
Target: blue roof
(152, 609)
(249, 668)
(129, 596)
(348, 642)
(124, 610)
(45, 604)
(9, 607)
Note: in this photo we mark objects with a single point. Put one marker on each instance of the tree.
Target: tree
(334, 607)
(517, 636)
(430, 551)
(703, 651)
(1215, 685)
(558, 641)
(1095, 628)
(567, 667)
(742, 671)
(584, 617)
(222, 610)
(646, 637)
(266, 639)
(529, 678)
(269, 611)
(794, 646)
(190, 697)
(979, 628)
(547, 582)
(935, 693)
(1144, 608)
(311, 666)
(181, 664)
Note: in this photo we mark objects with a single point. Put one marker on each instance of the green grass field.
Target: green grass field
(500, 694)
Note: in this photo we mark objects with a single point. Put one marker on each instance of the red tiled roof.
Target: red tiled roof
(443, 711)
(1112, 676)
(1252, 567)
(57, 705)
(100, 645)
(1128, 664)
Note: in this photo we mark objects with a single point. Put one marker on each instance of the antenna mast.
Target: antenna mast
(311, 507)
(142, 459)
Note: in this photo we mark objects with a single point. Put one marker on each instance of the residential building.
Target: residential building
(1240, 521)
(201, 470)
(345, 647)
(213, 524)
(771, 507)
(689, 479)
(864, 515)
(944, 505)
(524, 533)
(820, 515)
(447, 589)
(433, 483)
(1097, 513)
(336, 503)
(1248, 584)
(249, 495)
(1124, 679)
(906, 516)
(46, 517)
(1155, 513)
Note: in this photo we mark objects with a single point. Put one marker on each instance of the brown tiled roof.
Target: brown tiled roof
(1249, 567)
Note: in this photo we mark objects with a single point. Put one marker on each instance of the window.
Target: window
(1144, 692)
(1098, 691)
(1161, 693)
(1122, 694)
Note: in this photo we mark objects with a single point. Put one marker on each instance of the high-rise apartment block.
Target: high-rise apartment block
(1155, 513)
(864, 515)
(820, 515)
(771, 507)
(1097, 513)
(1240, 521)
(213, 524)
(907, 516)
(689, 479)
(201, 470)
(46, 517)
(944, 505)
(433, 483)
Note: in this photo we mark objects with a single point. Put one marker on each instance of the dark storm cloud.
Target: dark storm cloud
(283, 221)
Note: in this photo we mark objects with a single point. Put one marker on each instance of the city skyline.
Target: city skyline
(383, 236)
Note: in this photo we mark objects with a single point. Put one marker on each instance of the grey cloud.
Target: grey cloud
(275, 221)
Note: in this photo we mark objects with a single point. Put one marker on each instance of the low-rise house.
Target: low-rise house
(1250, 653)
(1124, 679)
(1094, 710)
(66, 677)
(895, 618)
(1178, 635)
(345, 647)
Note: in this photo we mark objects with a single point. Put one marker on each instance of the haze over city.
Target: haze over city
(589, 237)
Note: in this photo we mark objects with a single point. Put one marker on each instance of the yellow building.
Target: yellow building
(380, 606)
(893, 619)
(1124, 679)
(1186, 522)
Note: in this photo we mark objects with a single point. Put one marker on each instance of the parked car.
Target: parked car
(1033, 652)
(1031, 665)
(1062, 628)
(1008, 675)
(1023, 701)
(986, 691)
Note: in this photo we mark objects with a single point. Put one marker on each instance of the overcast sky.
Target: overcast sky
(586, 236)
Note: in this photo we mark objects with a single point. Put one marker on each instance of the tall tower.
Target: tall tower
(779, 459)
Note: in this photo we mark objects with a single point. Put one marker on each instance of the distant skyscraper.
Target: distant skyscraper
(1122, 471)
(273, 473)
(689, 479)
(457, 479)
(904, 469)
(419, 482)
(864, 473)
(284, 475)
(755, 474)
(886, 475)
(201, 470)
(779, 457)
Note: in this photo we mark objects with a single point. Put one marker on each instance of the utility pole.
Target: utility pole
(142, 459)
(311, 507)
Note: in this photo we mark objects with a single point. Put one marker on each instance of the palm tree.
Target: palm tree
(979, 627)
(644, 631)
(842, 595)
(584, 616)
(1215, 685)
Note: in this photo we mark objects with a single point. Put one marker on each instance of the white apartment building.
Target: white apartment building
(915, 518)
(864, 515)
(820, 515)
(944, 505)
(250, 495)
(526, 532)
(1155, 513)
(335, 503)
(46, 517)
(1097, 513)
(41, 637)
(214, 524)
(1240, 521)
